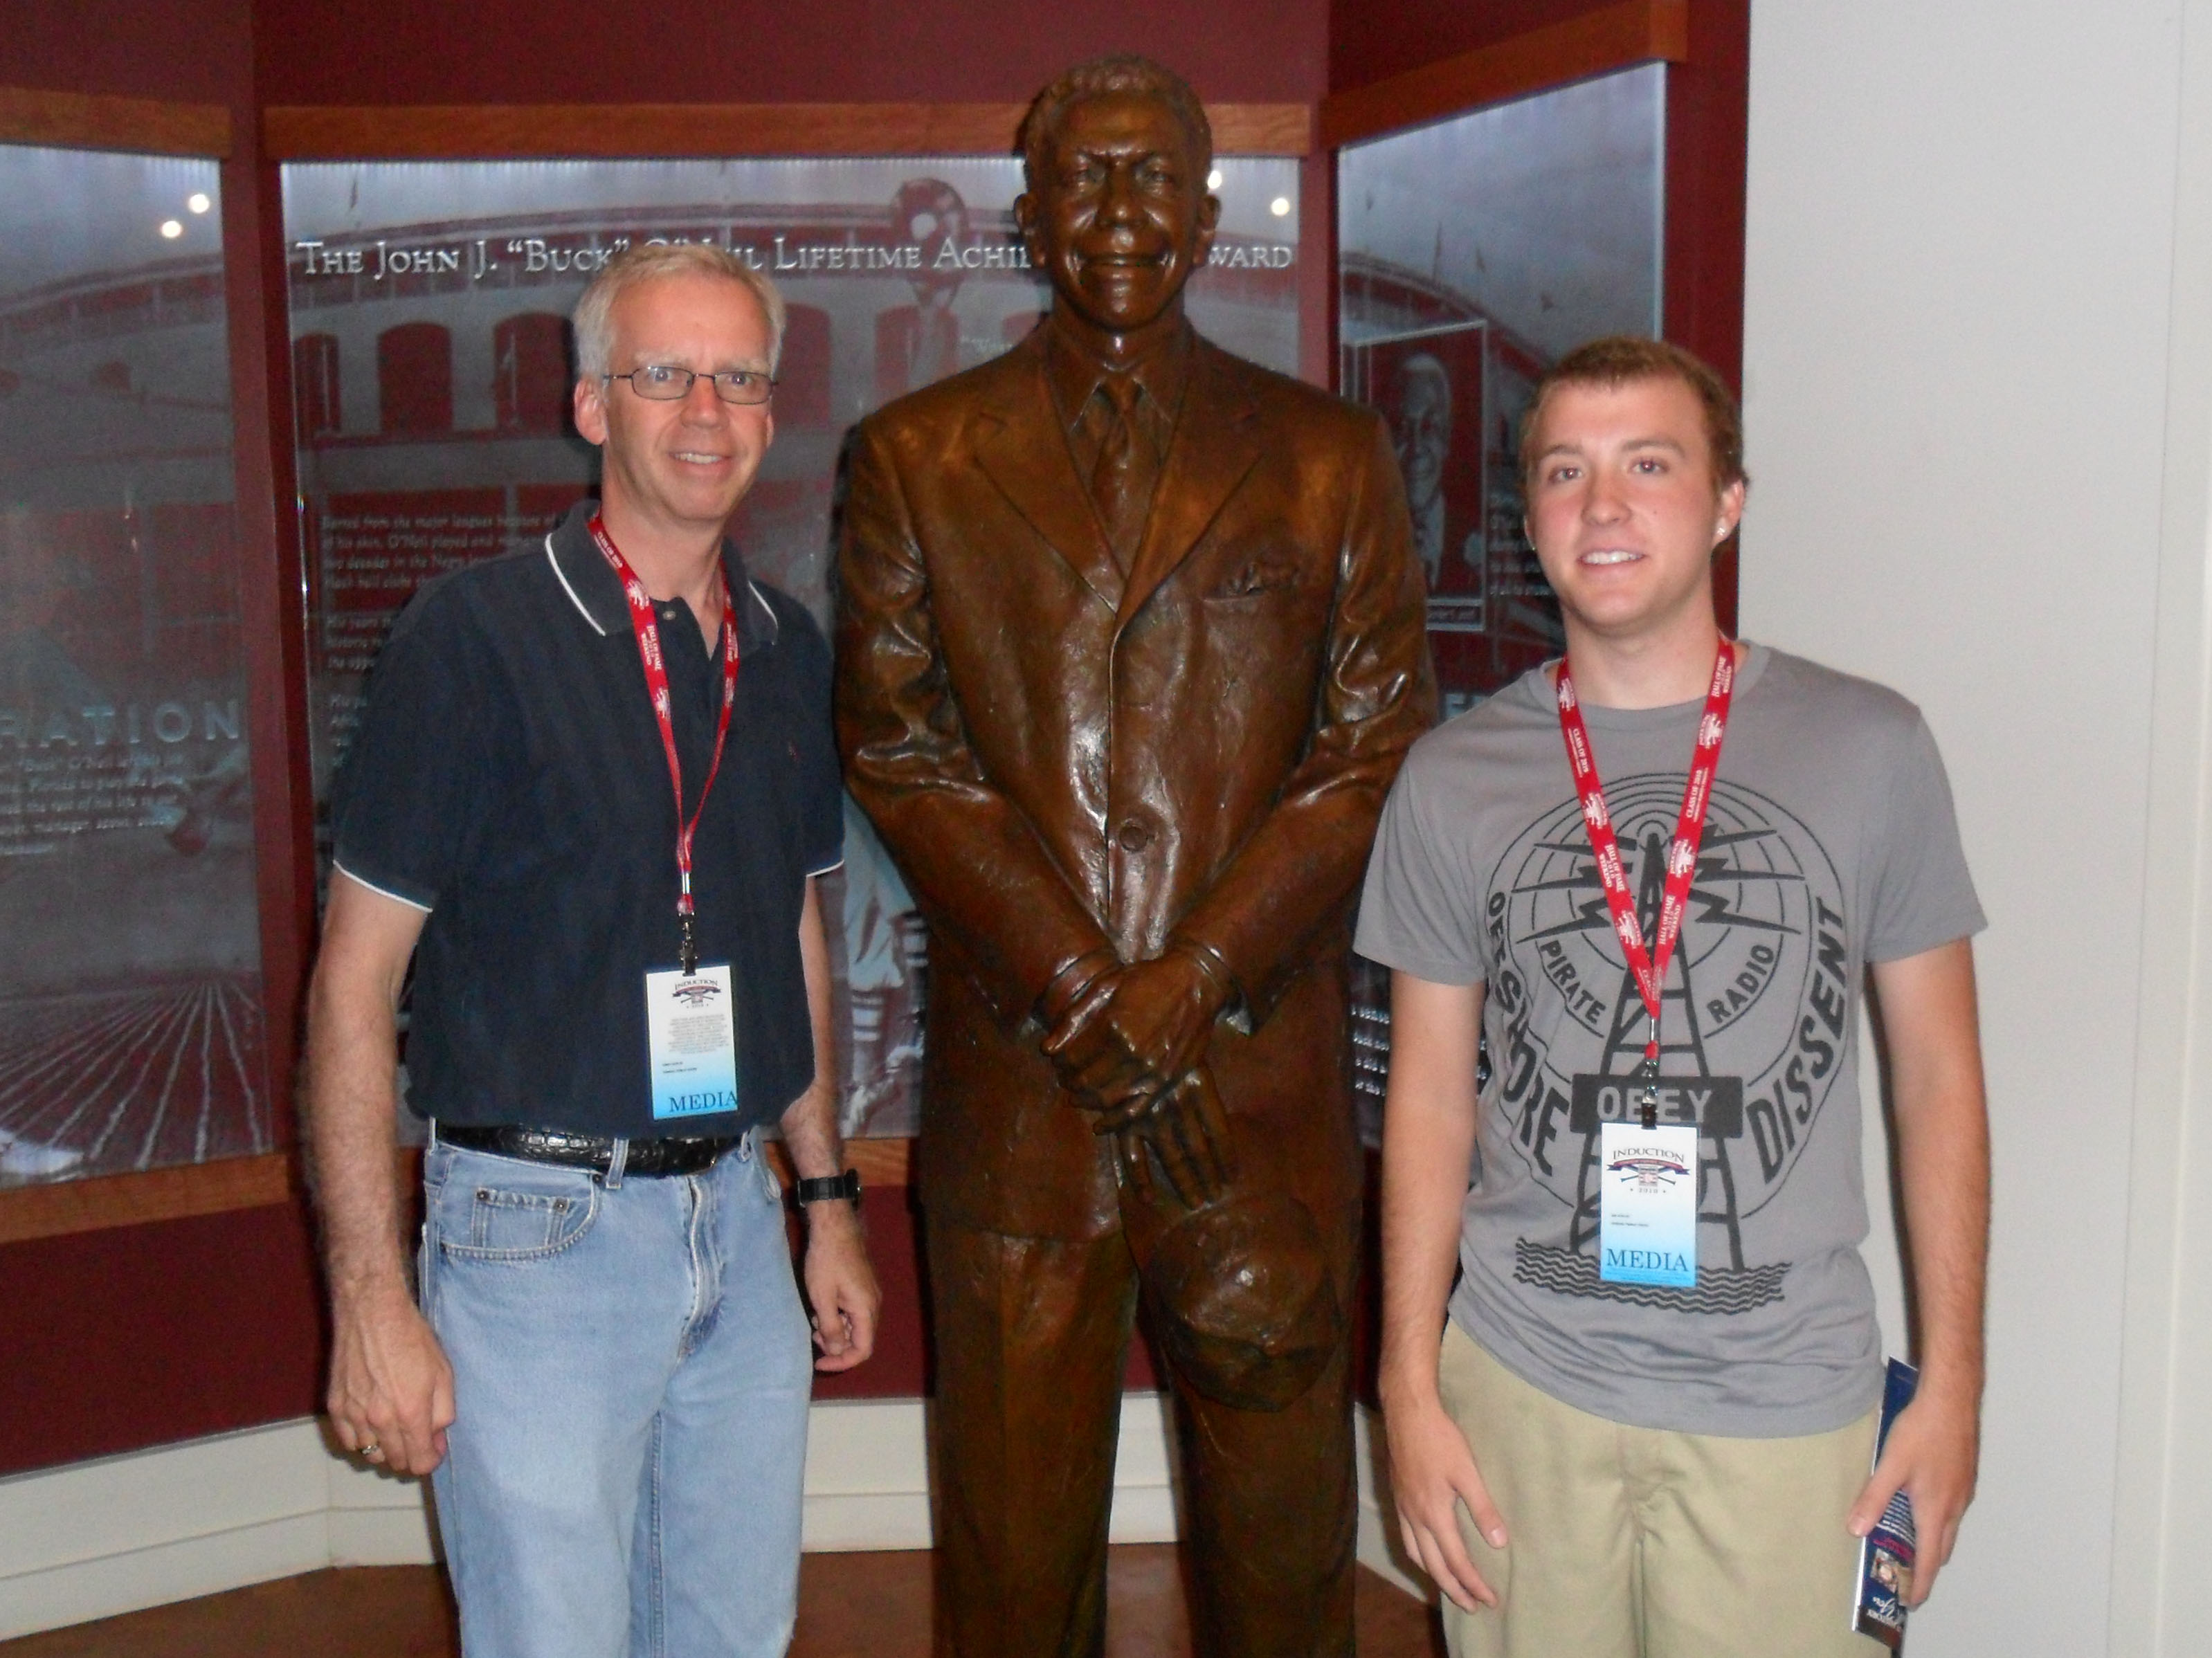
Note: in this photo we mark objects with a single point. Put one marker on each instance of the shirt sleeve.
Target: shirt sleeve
(404, 809)
(1417, 914)
(1923, 896)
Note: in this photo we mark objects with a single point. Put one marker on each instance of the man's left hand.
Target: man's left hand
(1933, 1449)
(841, 1287)
(1136, 1030)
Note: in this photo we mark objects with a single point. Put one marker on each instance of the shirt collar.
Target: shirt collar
(592, 587)
(1074, 372)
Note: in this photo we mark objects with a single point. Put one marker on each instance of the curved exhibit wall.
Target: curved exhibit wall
(184, 1302)
(130, 1006)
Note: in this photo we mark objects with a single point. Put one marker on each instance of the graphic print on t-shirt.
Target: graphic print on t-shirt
(1756, 1004)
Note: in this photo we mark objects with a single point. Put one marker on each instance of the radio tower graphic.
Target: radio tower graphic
(1723, 1286)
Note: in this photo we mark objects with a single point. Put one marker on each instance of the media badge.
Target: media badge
(690, 1021)
(1648, 1204)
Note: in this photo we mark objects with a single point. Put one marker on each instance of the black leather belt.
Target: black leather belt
(678, 1154)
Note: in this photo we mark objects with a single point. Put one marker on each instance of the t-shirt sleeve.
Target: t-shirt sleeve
(1417, 912)
(404, 806)
(1923, 894)
(821, 780)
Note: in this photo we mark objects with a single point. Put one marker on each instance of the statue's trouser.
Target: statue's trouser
(1031, 1335)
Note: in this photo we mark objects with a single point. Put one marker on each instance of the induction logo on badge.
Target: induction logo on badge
(696, 993)
(1648, 1168)
(1757, 994)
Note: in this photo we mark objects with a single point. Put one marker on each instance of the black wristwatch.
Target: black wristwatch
(827, 1188)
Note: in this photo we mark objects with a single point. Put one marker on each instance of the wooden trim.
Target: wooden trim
(454, 131)
(61, 1207)
(274, 646)
(1708, 109)
(1262, 129)
(58, 1208)
(1596, 43)
(28, 116)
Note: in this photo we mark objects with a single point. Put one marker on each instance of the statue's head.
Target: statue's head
(1117, 214)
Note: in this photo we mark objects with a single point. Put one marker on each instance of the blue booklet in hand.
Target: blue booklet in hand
(1886, 1553)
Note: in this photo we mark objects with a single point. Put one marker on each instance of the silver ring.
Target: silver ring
(373, 1451)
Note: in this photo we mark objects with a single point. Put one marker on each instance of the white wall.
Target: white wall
(1959, 347)
(93, 1539)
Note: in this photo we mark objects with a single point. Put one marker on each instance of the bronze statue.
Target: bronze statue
(1130, 651)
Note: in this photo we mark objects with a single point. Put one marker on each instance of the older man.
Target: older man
(590, 795)
(1132, 648)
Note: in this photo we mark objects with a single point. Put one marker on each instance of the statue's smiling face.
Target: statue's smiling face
(1122, 216)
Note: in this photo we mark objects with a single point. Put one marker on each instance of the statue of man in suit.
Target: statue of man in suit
(1130, 649)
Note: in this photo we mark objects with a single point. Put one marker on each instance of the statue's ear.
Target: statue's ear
(1209, 219)
(1026, 220)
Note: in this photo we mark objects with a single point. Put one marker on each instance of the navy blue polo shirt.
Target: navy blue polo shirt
(509, 779)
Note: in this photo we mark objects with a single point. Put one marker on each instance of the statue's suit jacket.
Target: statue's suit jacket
(1061, 757)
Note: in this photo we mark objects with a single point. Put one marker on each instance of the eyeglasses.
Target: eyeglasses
(663, 382)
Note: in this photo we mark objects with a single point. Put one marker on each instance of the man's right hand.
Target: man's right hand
(1432, 1470)
(391, 1385)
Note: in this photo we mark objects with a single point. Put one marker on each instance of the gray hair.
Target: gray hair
(1120, 72)
(593, 318)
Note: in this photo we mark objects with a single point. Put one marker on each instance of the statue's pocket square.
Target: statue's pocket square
(1260, 576)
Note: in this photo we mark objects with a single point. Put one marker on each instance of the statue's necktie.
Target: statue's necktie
(1122, 481)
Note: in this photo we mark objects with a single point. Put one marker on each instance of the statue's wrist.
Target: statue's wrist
(1222, 983)
(1068, 984)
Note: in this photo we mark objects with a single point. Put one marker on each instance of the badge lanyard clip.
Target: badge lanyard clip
(1648, 1102)
(1650, 966)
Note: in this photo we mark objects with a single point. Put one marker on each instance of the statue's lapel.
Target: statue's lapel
(1021, 447)
(1216, 444)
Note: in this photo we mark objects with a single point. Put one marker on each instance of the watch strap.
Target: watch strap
(827, 1188)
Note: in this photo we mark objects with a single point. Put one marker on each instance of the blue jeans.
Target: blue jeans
(631, 1369)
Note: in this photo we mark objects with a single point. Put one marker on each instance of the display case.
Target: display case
(132, 1030)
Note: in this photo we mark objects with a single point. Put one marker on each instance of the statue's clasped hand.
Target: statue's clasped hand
(1187, 1129)
(1131, 1045)
(1133, 1032)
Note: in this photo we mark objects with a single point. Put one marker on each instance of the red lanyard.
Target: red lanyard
(1650, 966)
(656, 683)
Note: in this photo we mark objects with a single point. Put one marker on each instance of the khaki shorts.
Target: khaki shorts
(1638, 1543)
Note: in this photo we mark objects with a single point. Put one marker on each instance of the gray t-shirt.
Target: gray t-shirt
(1831, 843)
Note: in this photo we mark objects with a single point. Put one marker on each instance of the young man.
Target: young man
(595, 782)
(1648, 1425)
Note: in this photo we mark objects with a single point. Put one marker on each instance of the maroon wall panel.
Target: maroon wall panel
(538, 51)
(188, 52)
(136, 1335)
(1371, 40)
